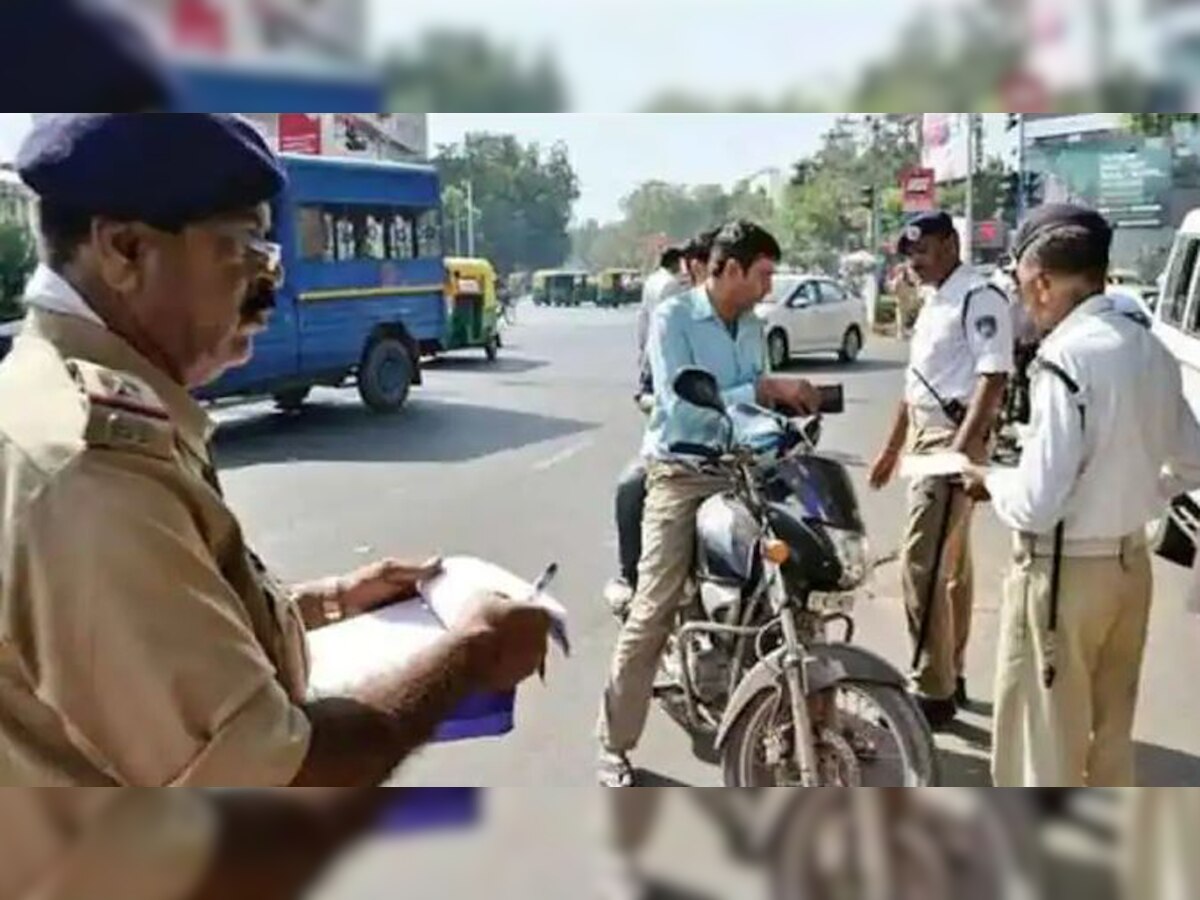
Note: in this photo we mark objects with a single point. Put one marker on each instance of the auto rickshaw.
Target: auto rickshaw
(560, 287)
(617, 287)
(472, 307)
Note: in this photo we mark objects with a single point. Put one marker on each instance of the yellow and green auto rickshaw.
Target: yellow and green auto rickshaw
(617, 287)
(560, 287)
(472, 307)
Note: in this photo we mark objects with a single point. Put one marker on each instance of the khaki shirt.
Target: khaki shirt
(141, 643)
(103, 843)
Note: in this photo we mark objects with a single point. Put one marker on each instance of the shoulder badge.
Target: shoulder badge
(986, 326)
(124, 413)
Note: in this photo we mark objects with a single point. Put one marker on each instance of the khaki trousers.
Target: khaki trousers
(1079, 733)
(1162, 862)
(674, 495)
(937, 537)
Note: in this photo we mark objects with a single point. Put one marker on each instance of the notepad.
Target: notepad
(350, 653)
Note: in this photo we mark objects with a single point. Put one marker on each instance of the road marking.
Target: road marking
(563, 456)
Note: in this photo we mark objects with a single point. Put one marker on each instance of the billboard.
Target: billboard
(944, 145)
(1125, 177)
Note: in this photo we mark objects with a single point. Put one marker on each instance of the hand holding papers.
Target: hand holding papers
(347, 654)
(947, 464)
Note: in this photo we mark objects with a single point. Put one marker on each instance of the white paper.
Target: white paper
(933, 465)
(346, 654)
(463, 578)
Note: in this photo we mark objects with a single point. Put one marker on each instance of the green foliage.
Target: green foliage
(18, 256)
(522, 194)
(1160, 124)
(452, 71)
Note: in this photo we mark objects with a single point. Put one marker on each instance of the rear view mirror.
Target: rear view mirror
(699, 388)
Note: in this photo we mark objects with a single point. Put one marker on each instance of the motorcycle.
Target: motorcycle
(779, 558)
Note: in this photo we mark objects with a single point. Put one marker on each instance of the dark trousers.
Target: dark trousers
(631, 500)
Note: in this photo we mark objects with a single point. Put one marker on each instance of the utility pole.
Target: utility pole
(470, 218)
(969, 215)
(1021, 167)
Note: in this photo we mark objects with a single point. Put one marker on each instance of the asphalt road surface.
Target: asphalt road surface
(516, 461)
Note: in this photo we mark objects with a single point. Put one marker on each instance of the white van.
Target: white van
(1177, 315)
(1177, 323)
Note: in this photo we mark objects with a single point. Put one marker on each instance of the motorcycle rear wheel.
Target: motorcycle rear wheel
(766, 719)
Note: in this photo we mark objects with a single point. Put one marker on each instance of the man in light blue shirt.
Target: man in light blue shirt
(713, 327)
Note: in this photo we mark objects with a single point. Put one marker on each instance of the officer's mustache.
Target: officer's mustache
(259, 301)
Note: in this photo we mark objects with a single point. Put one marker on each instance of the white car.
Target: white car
(812, 314)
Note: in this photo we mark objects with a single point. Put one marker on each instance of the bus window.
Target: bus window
(314, 239)
(1179, 282)
(345, 244)
(330, 253)
(429, 234)
(373, 245)
(402, 236)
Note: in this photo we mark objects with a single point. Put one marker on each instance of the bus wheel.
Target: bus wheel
(385, 376)
(291, 400)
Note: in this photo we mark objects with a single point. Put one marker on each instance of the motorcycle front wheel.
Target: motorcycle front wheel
(879, 739)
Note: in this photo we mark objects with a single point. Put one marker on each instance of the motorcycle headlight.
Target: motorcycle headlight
(853, 553)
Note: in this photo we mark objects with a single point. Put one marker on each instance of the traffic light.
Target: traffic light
(1035, 189)
(1010, 197)
(868, 196)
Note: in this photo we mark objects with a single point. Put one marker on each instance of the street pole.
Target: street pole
(1020, 167)
(969, 217)
(470, 219)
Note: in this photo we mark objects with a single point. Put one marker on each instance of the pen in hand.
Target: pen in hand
(539, 588)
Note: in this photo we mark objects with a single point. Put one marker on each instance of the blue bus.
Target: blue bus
(363, 295)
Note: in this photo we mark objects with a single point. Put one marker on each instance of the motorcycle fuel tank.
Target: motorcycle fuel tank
(728, 541)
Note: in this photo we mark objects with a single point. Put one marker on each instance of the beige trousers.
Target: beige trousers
(1080, 731)
(937, 537)
(673, 497)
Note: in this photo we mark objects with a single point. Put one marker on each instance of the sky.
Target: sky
(615, 153)
(617, 54)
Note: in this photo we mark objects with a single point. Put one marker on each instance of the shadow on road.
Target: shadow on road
(505, 365)
(422, 432)
(1163, 767)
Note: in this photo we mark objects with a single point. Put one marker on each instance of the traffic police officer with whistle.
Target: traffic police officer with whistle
(1112, 438)
(961, 356)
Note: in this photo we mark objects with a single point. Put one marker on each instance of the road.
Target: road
(516, 462)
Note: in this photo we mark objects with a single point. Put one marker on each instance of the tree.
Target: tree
(523, 198)
(452, 71)
(18, 256)
(988, 192)
(1160, 124)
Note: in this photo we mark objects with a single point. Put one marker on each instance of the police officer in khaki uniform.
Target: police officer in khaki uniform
(141, 642)
(961, 356)
(1112, 438)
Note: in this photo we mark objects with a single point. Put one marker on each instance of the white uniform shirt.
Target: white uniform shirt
(1103, 460)
(952, 352)
(48, 290)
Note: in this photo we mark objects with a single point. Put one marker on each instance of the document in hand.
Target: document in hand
(464, 577)
(352, 652)
(946, 464)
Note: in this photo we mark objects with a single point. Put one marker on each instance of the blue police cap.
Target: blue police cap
(79, 54)
(924, 225)
(1052, 216)
(165, 169)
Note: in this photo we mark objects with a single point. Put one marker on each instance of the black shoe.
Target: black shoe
(960, 694)
(938, 713)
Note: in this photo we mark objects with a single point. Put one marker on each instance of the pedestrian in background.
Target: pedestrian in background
(960, 359)
(1112, 438)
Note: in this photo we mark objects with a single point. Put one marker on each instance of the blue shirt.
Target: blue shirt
(686, 331)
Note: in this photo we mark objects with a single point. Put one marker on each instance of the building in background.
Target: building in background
(398, 137)
(944, 145)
